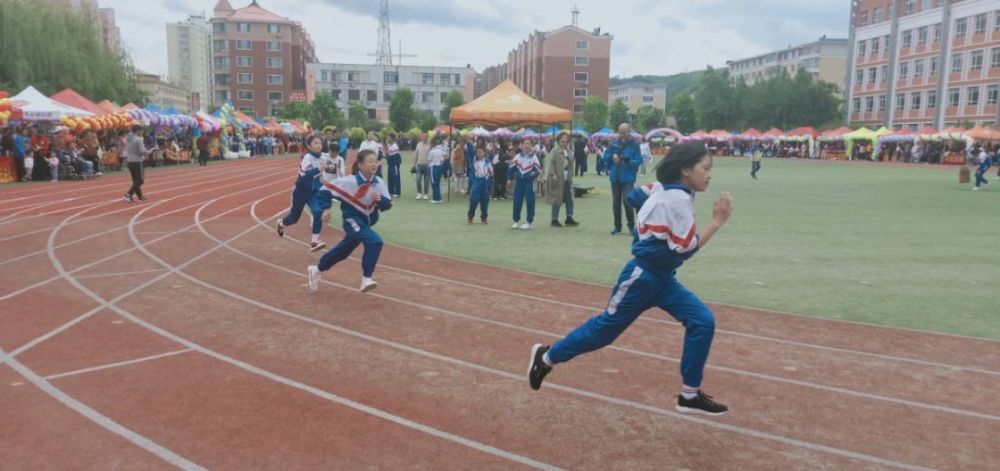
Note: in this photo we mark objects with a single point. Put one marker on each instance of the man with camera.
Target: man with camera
(622, 159)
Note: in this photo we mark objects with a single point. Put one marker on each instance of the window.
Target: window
(864, 18)
(956, 63)
(977, 60)
(862, 47)
(222, 95)
(647, 99)
(972, 96)
(244, 78)
(243, 45)
(904, 70)
(925, 5)
(580, 92)
(934, 65)
(980, 23)
(354, 95)
(995, 57)
(872, 72)
(952, 97)
(922, 36)
(918, 68)
(390, 77)
(371, 95)
(338, 76)
(220, 45)
(581, 60)
(869, 104)
(242, 27)
(909, 6)
(900, 101)
(885, 73)
(996, 20)
(937, 33)
(220, 63)
(387, 95)
(859, 76)
(444, 79)
(578, 108)
(877, 15)
(277, 63)
(458, 79)
(244, 61)
(992, 92)
(354, 76)
(881, 103)
(960, 27)
(219, 28)
(336, 94)
(856, 109)
(245, 95)
(222, 79)
(427, 79)
(275, 96)
(875, 45)
(275, 79)
(583, 44)
(915, 100)
(931, 99)
(274, 46)
(907, 39)
(581, 77)
(273, 28)
(324, 76)
(427, 97)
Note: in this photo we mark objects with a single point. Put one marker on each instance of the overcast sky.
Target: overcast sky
(656, 37)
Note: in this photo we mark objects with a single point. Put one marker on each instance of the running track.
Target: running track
(179, 333)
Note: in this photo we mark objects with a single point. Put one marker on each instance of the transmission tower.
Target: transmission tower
(383, 55)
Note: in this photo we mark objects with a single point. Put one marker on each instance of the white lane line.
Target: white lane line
(122, 273)
(518, 377)
(63, 274)
(275, 377)
(671, 323)
(98, 418)
(735, 371)
(116, 365)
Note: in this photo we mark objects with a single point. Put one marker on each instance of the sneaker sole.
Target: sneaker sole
(691, 410)
(369, 287)
(531, 361)
(317, 248)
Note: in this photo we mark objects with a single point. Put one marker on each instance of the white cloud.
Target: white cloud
(651, 36)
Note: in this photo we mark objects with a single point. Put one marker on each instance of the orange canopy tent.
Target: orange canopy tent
(70, 97)
(505, 105)
(981, 133)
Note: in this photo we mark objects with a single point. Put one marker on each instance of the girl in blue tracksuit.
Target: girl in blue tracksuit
(362, 197)
(480, 185)
(307, 184)
(983, 160)
(666, 237)
(522, 173)
(395, 160)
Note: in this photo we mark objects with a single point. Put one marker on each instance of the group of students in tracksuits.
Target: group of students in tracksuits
(362, 195)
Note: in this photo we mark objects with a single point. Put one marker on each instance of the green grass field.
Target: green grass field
(904, 246)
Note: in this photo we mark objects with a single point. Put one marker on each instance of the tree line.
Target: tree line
(52, 48)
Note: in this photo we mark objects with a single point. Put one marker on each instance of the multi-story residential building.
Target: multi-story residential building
(491, 77)
(562, 67)
(924, 63)
(374, 85)
(189, 58)
(103, 20)
(163, 93)
(825, 60)
(636, 95)
(258, 59)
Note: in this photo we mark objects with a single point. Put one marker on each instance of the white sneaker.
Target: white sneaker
(435, 201)
(516, 225)
(526, 226)
(368, 284)
(318, 245)
(313, 272)
(419, 196)
(975, 188)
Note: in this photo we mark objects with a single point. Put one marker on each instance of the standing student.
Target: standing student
(559, 180)
(307, 183)
(362, 197)
(755, 158)
(501, 165)
(135, 154)
(621, 159)
(667, 237)
(647, 155)
(983, 162)
(522, 173)
(479, 192)
(436, 160)
(395, 160)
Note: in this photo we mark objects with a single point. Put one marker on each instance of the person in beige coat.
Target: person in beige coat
(559, 179)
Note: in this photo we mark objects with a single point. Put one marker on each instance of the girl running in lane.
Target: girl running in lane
(362, 197)
(666, 238)
(307, 184)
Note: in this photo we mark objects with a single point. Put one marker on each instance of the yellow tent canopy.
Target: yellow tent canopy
(505, 105)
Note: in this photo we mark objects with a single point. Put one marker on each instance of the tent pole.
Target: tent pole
(451, 131)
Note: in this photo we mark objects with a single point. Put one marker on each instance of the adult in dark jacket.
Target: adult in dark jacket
(622, 159)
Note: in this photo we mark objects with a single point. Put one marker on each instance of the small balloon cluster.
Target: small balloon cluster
(149, 118)
(79, 124)
(5, 108)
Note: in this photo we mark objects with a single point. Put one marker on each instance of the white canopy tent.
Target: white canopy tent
(38, 107)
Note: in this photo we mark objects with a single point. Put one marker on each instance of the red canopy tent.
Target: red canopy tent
(904, 131)
(773, 132)
(70, 97)
(835, 133)
(750, 134)
(804, 131)
(927, 130)
(129, 107)
(108, 107)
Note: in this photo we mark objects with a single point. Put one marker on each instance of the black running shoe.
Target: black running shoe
(127, 198)
(700, 404)
(537, 369)
(556, 223)
(571, 222)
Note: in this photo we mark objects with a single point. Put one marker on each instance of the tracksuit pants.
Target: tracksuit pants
(395, 183)
(524, 190)
(436, 172)
(479, 195)
(638, 290)
(354, 234)
(300, 200)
